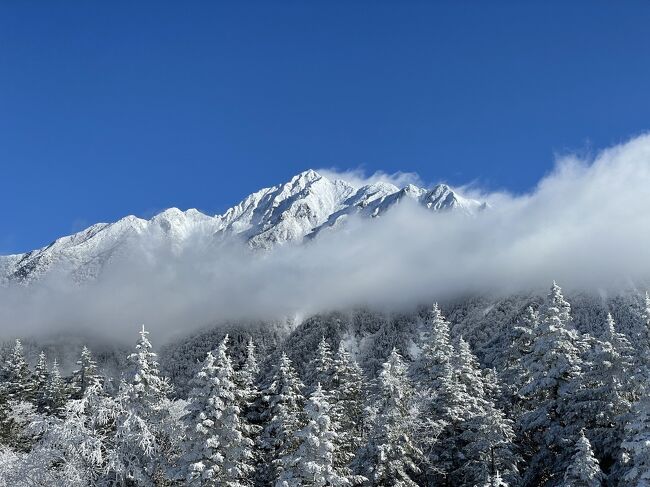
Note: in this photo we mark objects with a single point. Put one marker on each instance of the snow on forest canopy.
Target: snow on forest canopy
(556, 407)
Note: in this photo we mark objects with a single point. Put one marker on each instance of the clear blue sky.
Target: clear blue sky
(110, 108)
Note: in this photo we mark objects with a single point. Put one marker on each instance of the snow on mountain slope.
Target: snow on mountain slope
(288, 212)
(85, 253)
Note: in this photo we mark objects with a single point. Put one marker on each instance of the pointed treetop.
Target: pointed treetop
(557, 311)
(16, 362)
(555, 292)
(251, 360)
(17, 356)
(465, 356)
(436, 343)
(610, 326)
(321, 369)
(143, 342)
(324, 348)
(435, 313)
(583, 469)
(223, 346)
(41, 374)
(17, 384)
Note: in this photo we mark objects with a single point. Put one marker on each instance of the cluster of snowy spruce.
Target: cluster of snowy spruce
(563, 409)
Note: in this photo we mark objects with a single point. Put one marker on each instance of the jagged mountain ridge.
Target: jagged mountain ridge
(290, 212)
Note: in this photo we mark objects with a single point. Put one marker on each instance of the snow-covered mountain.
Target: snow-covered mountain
(291, 212)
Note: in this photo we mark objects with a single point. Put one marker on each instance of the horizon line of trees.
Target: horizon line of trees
(560, 409)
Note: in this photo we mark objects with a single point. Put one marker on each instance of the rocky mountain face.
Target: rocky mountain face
(291, 212)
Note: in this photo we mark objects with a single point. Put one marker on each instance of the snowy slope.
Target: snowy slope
(288, 212)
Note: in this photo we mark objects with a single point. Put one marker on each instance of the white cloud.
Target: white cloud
(587, 225)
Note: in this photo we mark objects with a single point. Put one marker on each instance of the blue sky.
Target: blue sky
(110, 108)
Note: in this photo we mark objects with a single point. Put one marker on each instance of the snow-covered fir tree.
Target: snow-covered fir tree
(391, 456)
(312, 464)
(56, 391)
(40, 379)
(16, 384)
(436, 348)
(602, 403)
(248, 395)
(348, 398)
(553, 370)
(341, 379)
(583, 469)
(512, 369)
(16, 390)
(322, 367)
(216, 450)
(473, 439)
(142, 430)
(486, 442)
(247, 378)
(85, 374)
(635, 461)
(432, 372)
(283, 416)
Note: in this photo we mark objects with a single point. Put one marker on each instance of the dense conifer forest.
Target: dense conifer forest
(538, 401)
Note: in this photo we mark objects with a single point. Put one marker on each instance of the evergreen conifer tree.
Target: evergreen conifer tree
(56, 393)
(583, 470)
(485, 439)
(553, 372)
(216, 450)
(312, 464)
(390, 456)
(85, 374)
(142, 426)
(282, 417)
(604, 397)
(322, 367)
(635, 462)
(17, 384)
(40, 378)
(347, 412)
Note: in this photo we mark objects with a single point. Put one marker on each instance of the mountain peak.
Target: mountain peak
(289, 212)
(308, 176)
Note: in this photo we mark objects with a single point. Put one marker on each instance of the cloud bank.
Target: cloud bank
(586, 225)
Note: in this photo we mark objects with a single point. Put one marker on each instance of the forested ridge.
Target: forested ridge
(534, 402)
